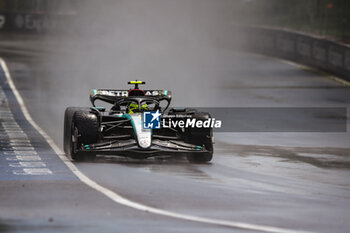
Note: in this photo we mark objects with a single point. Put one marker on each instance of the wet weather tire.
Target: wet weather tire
(201, 137)
(85, 127)
(80, 127)
(67, 134)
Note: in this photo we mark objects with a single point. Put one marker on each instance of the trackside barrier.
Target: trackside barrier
(320, 53)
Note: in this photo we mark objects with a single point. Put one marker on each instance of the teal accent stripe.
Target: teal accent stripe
(127, 116)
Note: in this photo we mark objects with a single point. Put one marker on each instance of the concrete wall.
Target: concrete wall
(330, 56)
(319, 53)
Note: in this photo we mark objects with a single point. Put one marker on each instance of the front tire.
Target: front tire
(201, 137)
(80, 128)
(67, 134)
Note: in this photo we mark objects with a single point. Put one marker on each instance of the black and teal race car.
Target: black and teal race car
(138, 124)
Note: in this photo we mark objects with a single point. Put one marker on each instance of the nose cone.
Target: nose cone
(143, 136)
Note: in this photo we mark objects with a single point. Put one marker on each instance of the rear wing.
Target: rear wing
(111, 96)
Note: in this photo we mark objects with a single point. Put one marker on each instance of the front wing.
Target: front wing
(130, 147)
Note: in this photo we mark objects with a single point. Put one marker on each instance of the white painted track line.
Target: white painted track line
(122, 200)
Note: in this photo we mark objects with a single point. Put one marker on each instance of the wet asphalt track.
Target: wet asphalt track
(290, 180)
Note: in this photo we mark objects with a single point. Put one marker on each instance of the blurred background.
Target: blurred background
(205, 51)
(329, 18)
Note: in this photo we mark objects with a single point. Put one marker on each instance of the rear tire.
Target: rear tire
(201, 137)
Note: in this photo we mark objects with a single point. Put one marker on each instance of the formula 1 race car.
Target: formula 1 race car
(139, 125)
